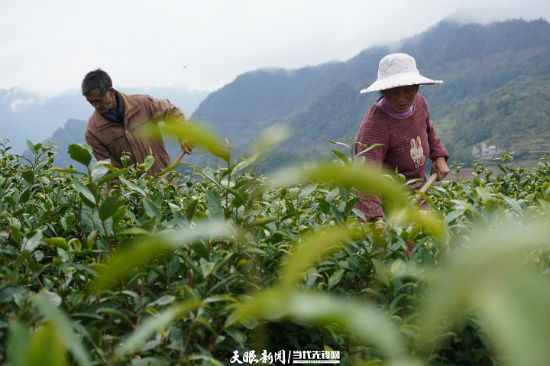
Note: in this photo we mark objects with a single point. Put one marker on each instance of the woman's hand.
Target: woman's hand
(439, 166)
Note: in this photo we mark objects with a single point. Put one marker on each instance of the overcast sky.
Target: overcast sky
(47, 46)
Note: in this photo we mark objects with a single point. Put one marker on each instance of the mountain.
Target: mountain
(496, 91)
(24, 116)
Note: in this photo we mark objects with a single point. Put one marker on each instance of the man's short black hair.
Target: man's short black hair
(96, 82)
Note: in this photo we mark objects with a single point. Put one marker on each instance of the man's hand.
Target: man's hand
(439, 166)
(186, 146)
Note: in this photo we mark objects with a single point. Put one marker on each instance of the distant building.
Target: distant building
(486, 151)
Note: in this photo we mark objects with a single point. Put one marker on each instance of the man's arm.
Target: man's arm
(163, 109)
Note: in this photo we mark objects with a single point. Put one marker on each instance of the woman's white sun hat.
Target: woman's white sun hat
(398, 69)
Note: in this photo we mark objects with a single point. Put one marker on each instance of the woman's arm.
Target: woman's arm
(438, 152)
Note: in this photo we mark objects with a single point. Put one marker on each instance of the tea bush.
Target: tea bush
(117, 266)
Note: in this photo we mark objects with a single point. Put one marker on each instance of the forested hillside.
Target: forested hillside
(496, 90)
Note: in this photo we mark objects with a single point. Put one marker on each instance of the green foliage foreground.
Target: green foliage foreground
(106, 266)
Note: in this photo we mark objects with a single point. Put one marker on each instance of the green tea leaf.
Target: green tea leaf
(91, 238)
(109, 177)
(109, 206)
(32, 147)
(207, 268)
(191, 208)
(75, 244)
(163, 300)
(151, 209)
(85, 192)
(67, 170)
(31, 243)
(81, 153)
(133, 186)
(336, 277)
(343, 157)
(214, 205)
(98, 171)
(57, 242)
(28, 175)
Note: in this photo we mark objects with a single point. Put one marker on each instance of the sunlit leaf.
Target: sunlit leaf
(147, 163)
(260, 222)
(152, 324)
(366, 323)
(45, 347)
(366, 179)
(269, 138)
(18, 342)
(198, 135)
(489, 275)
(313, 248)
(135, 231)
(130, 258)
(359, 176)
(145, 250)
(63, 326)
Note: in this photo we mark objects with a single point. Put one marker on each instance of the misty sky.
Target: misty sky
(47, 46)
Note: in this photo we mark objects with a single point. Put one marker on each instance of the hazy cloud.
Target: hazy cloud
(47, 47)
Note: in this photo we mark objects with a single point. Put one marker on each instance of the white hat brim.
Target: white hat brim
(402, 79)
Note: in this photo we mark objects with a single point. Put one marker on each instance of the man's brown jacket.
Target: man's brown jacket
(109, 140)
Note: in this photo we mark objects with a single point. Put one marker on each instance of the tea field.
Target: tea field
(221, 266)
